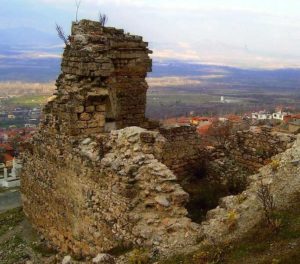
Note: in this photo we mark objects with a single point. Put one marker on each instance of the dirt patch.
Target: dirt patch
(19, 242)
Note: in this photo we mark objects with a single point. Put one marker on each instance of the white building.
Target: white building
(30, 126)
(279, 115)
(10, 178)
(262, 115)
(223, 119)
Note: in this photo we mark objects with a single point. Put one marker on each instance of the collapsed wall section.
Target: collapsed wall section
(89, 191)
(237, 215)
(87, 201)
(254, 148)
(244, 154)
(181, 152)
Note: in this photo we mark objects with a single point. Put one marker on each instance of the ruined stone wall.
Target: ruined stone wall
(182, 151)
(254, 149)
(244, 154)
(89, 186)
(99, 194)
(102, 85)
(237, 215)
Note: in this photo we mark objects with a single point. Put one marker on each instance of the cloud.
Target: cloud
(249, 32)
(253, 6)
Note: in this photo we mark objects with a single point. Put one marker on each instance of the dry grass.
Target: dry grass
(21, 88)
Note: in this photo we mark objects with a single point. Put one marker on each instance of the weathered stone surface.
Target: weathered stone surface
(181, 150)
(93, 181)
(66, 260)
(284, 183)
(244, 153)
(85, 117)
(104, 259)
(103, 70)
(94, 195)
(162, 200)
(254, 148)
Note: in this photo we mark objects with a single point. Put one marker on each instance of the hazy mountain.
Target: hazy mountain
(28, 54)
(21, 67)
(237, 78)
(26, 37)
(29, 70)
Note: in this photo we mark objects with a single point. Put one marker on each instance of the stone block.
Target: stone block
(90, 109)
(82, 124)
(100, 117)
(79, 109)
(100, 108)
(85, 116)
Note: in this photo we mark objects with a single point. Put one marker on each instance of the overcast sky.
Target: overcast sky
(245, 33)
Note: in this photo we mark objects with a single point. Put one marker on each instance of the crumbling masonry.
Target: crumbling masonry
(94, 178)
(99, 176)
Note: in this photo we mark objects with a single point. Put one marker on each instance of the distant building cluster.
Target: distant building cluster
(263, 115)
(203, 123)
(279, 120)
(10, 163)
(290, 122)
(22, 116)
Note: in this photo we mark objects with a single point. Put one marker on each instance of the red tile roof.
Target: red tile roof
(234, 118)
(183, 120)
(7, 158)
(200, 118)
(202, 130)
(297, 116)
(7, 147)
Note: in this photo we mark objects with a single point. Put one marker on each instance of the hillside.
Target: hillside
(103, 183)
(260, 246)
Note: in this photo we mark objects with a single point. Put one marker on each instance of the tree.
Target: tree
(220, 131)
(266, 198)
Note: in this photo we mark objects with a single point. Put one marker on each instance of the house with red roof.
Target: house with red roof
(203, 130)
(6, 149)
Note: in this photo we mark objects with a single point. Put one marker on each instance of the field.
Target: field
(205, 99)
(178, 88)
(17, 88)
(27, 101)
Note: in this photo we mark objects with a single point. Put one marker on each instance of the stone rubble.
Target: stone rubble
(104, 259)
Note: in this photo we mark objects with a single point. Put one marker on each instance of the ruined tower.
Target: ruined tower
(102, 85)
(94, 178)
